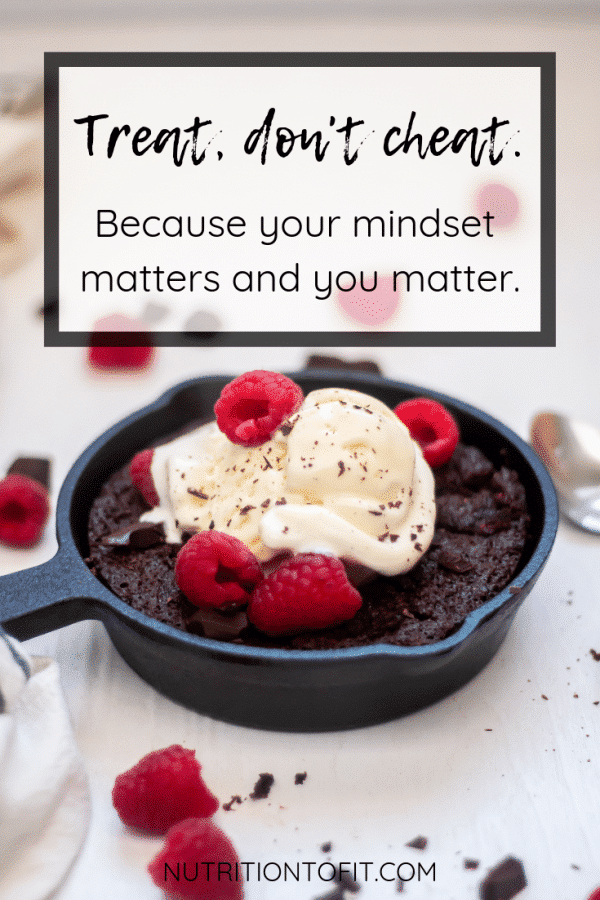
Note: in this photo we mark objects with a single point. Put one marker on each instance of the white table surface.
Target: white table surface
(494, 770)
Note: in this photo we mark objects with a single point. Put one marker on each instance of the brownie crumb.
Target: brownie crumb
(300, 778)
(471, 863)
(595, 655)
(348, 883)
(544, 697)
(399, 886)
(263, 786)
(504, 881)
(326, 847)
(235, 799)
(418, 843)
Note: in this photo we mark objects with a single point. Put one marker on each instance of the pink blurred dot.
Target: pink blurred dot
(370, 307)
(501, 202)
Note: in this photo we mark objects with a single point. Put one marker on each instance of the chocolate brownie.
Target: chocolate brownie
(480, 534)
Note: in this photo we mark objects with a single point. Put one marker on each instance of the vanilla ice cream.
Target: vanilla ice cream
(342, 477)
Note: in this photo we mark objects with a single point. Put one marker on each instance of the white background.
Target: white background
(237, 100)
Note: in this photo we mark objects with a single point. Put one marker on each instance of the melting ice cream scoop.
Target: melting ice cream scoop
(341, 477)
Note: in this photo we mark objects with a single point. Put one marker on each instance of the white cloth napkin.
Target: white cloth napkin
(44, 794)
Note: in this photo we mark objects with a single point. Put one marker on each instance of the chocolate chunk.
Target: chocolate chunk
(504, 881)
(139, 536)
(318, 361)
(286, 428)
(212, 623)
(34, 467)
(326, 847)
(345, 882)
(348, 883)
(263, 786)
(418, 843)
(300, 778)
(200, 494)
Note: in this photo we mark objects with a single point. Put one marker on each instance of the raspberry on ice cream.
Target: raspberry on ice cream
(341, 476)
(252, 407)
(198, 862)
(432, 426)
(163, 788)
(141, 476)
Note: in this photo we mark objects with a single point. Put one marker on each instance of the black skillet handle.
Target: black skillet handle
(43, 598)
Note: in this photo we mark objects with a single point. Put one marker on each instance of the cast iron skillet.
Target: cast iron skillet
(287, 690)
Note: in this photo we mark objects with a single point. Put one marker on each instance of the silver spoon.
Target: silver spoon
(571, 452)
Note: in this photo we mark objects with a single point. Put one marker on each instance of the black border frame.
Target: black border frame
(545, 337)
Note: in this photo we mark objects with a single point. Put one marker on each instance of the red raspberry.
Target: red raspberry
(141, 476)
(306, 592)
(431, 426)
(24, 510)
(198, 862)
(216, 570)
(252, 407)
(117, 356)
(595, 895)
(164, 788)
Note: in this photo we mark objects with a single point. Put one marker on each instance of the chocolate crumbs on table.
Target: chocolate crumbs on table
(263, 786)
(504, 881)
(300, 778)
(418, 843)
